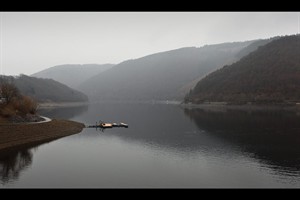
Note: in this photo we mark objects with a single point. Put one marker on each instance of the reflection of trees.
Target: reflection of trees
(13, 163)
(272, 136)
(159, 126)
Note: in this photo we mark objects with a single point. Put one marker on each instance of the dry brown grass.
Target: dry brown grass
(19, 106)
(25, 105)
(7, 110)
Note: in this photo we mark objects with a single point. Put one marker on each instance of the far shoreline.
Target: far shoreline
(44, 105)
(244, 107)
(208, 106)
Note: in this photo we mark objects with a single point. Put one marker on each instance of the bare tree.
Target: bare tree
(9, 91)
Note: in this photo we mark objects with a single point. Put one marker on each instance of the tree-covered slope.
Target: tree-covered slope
(270, 74)
(160, 76)
(45, 90)
(72, 75)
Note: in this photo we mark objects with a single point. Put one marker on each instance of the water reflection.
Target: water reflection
(157, 126)
(272, 136)
(13, 163)
(165, 145)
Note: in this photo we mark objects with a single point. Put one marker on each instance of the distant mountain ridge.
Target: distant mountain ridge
(270, 74)
(72, 75)
(45, 90)
(161, 76)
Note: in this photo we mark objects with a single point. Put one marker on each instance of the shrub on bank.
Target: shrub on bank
(20, 106)
(15, 104)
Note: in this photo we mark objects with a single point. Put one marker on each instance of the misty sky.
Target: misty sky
(30, 42)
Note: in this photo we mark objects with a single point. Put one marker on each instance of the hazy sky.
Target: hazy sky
(30, 42)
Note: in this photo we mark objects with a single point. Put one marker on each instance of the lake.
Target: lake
(165, 146)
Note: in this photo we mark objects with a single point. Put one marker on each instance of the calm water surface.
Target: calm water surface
(164, 146)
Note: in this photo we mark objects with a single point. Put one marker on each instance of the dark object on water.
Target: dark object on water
(108, 125)
(123, 125)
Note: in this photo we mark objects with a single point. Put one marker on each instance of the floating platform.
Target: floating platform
(108, 125)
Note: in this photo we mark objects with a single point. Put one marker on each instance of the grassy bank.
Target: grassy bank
(14, 135)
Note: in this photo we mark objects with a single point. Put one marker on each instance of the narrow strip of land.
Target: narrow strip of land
(14, 135)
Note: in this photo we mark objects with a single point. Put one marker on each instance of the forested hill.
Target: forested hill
(45, 90)
(270, 74)
(72, 75)
(160, 76)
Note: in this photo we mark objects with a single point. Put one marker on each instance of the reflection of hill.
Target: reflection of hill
(272, 136)
(12, 164)
(63, 112)
(158, 125)
(15, 160)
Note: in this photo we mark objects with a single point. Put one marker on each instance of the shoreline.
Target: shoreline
(61, 104)
(244, 107)
(18, 135)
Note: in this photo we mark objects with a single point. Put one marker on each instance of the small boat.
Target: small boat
(105, 125)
